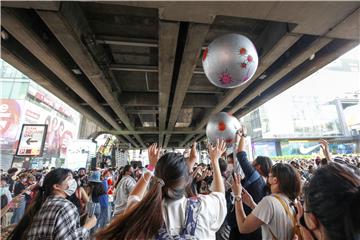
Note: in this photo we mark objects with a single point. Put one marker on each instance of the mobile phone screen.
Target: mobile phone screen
(91, 208)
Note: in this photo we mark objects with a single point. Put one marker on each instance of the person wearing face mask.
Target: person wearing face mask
(51, 216)
(331, 208)
(274, 213)
(79, 199)
(124, 186)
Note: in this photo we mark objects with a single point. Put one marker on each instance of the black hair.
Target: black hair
(289, 179)
(122, 171)
(12, 170)
(333, 196)
(96, 189)
(56, 176)
(265, 164)
(145, 220)
(223, 166)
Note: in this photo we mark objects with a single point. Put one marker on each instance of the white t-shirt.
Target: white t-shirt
(272, 213)
(212, 214)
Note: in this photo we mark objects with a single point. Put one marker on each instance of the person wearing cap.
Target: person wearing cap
(95, 190)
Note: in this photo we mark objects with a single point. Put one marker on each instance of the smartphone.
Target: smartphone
(91, 209)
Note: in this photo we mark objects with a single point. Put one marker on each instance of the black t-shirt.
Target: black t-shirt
(257, 189)
(19, 188)
(4, 200)
(11, 182)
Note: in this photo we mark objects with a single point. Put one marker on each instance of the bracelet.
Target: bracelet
(150, 167)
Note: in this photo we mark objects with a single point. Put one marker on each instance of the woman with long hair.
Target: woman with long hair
(79, 199)
(95, 189)
(124, 186)
(165, 211)
(51, 215)
(274, 213)
(331, 208)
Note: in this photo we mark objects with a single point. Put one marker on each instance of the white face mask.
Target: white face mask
(72, 187)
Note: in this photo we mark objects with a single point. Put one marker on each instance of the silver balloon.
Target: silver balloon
(230, 60)
(222, 126)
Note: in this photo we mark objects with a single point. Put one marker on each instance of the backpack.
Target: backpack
(292, 217)
(191, 219)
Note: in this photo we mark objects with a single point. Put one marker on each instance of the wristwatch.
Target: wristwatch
(238, 198)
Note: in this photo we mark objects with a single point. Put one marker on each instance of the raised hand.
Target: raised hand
(236, 185)
(247, 199)
(154, 154)
(325, 148)
(193, 156)
(216, 152)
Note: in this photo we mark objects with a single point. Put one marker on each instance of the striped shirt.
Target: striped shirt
(58, 219)
(124, 188)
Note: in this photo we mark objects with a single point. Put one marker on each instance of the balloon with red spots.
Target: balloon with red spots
(233, 58)
(205, 53)
(222, 126)
(242, 51)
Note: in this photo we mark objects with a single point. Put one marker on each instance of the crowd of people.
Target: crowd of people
(176, 197)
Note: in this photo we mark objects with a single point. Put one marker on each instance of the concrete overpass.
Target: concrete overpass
(134, 68)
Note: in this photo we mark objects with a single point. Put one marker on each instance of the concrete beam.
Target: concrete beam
(64, 30)
(279, 48)
(40, 5)
(148, 130)
(144, 68)
(151, 100)
(168, 36)
(121, 41)
(133, 68)
(308, 16)
(195, 38)
(22, 33)
(142, 111)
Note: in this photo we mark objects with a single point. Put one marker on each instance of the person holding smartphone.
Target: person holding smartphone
(51, 216)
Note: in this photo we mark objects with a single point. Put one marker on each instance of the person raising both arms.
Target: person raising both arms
(165, 212)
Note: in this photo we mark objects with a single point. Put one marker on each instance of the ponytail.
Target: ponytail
(140, 222)
(56, 176)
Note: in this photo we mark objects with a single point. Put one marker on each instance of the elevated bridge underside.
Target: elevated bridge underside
(134, 68)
